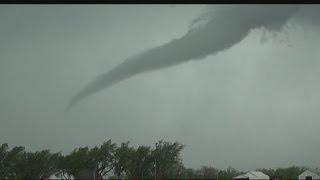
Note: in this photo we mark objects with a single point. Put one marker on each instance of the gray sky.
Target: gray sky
(253, 105)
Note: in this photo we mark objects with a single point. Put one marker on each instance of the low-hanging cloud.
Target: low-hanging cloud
(224, 27)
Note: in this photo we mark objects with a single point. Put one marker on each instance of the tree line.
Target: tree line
(162, 161)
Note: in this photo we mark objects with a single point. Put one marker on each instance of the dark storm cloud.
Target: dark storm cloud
(225, 27)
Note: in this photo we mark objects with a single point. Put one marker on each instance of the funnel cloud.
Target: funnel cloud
(224, 27)
(238, 85)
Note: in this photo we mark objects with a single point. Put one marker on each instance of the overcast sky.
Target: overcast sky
(251, 106)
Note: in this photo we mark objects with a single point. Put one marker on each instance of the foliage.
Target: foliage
(166, 156)
(123, 154)
(86, 163)
(161, 161)
(284, 173)
(229, 173)
(140, 163)
(103, 158)
(39, 164)
(16, 163)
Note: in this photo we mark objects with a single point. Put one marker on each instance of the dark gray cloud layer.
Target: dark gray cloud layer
(226, 26)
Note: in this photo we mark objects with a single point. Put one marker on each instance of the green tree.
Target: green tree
(13, 159)
(133, 163)
(29, 165)
(176, 171)
(78, 163)
(188, 173)
(123, 156)
(104, 158)
(166, 156)
(141, 163)
(229, 173)
(4, 168)
(89, 163)
(16, 163)
(290, 172)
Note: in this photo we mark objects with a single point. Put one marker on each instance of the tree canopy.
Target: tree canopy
(161, 161)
